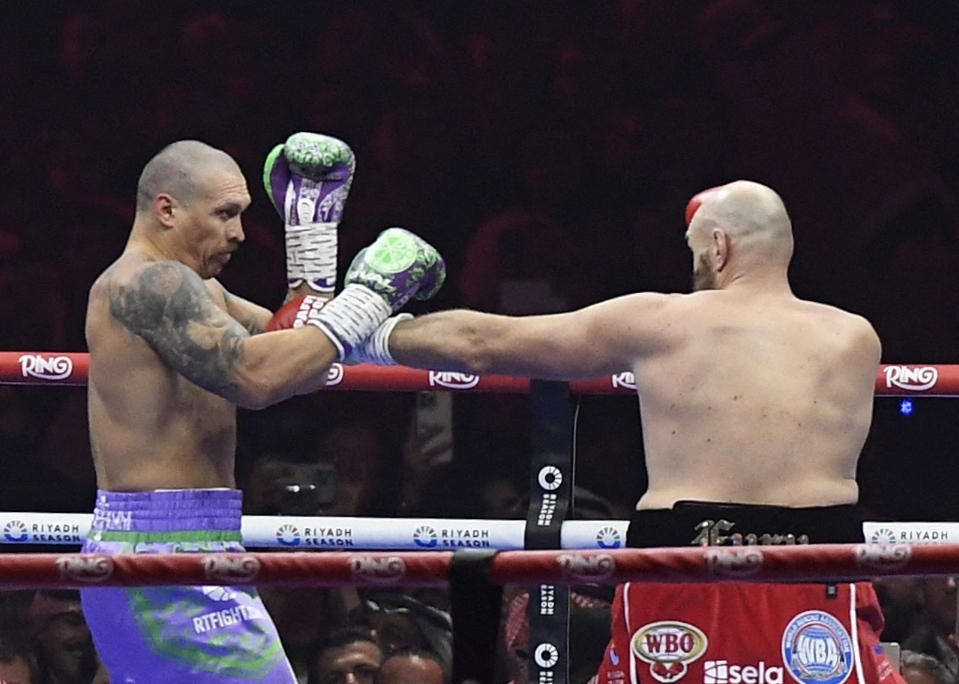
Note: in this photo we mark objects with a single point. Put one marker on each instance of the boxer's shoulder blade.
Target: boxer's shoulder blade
(169, 306)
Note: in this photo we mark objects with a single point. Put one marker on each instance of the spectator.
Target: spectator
(349, 655)
(17, 662)
(401, 621)
(900, 599)
(936, 636)
(411, 666)
(919, 668)
(64, 647)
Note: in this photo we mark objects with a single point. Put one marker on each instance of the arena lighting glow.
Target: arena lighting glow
(906, 407)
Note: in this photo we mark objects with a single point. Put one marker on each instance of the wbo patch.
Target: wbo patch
(669, 646)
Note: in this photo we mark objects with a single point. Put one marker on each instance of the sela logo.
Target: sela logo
(231, 568)
(47, 368)
(721, 672)
(15, 531)
(912, 379)
(817, 649)
(377, 570)
(550, 478)
(609, 538)
(669, 646)
(626, 380)
(882, 556)
(456, 381)
(424, 536)
(288, 535)
(334, 376)
(586, 569)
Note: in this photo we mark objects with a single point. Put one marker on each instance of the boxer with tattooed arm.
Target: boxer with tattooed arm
(172, 356)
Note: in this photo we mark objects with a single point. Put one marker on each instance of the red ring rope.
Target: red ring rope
(56, 368)
(840, 562)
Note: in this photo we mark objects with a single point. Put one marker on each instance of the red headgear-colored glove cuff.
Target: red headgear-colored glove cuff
(697, 202)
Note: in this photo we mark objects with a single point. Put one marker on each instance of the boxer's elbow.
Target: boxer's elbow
(481, 353)
(259, 393)
(260, 385)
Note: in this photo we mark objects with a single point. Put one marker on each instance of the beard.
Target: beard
(704, 275)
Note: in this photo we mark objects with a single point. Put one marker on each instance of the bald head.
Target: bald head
(411, 667)
(181, 170)
(752, 216)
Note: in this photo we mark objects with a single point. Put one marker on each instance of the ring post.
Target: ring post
(551, 497)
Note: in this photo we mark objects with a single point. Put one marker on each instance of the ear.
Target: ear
(720, 248)
(165, 207)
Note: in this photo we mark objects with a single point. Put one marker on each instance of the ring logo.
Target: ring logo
(86, 569)
(15, 531)
(377, 569)
(721, 672)
(425, 537)
(913, 379)
(334, 376)
(550, 478)
(546, 655)
(882, 556)
(882, 536)
(288, 535)
(47, 368)
(669, 646)
(609, 538)
(626, 380)
(586, 568)
(450, 380)
(817, 649)
(231, 568)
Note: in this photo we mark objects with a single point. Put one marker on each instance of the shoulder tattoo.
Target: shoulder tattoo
(168, 305)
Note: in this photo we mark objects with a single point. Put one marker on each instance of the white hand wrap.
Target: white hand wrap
(376, 348)
(311, 247)
(311, 256)
(351, 317)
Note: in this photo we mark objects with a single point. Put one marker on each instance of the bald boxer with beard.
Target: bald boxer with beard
(172, 356)
(755, 406)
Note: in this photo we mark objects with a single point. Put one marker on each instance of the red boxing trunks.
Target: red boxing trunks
(745, 633)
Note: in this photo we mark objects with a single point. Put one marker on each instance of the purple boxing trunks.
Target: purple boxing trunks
(200, 635)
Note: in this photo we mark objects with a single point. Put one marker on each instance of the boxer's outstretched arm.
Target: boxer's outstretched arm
(598, 340)
(168, 305)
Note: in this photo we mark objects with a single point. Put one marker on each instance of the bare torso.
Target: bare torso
(755, 399)
(150, 427)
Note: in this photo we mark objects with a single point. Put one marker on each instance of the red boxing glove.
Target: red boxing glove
(697, 202)
(296, 312)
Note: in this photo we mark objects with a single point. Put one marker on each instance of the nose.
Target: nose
(235, 231)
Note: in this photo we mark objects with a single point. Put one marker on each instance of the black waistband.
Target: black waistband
(701, 523)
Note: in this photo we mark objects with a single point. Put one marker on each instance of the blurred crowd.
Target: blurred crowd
(548, 148)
